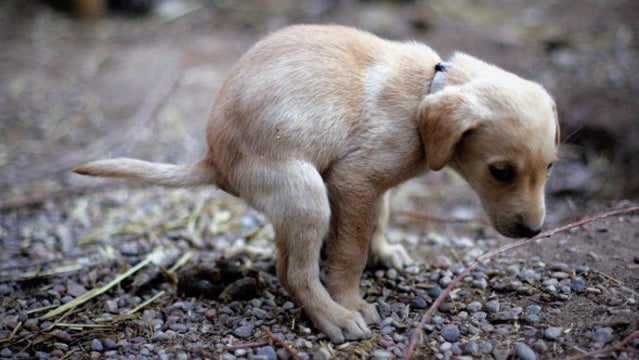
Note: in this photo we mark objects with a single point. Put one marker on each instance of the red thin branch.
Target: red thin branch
(281, 342)
(417, 332)
(618, 346)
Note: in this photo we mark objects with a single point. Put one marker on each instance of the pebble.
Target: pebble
(480, 284)
(322, 354)
(381, 354)
(578, 284)
(434, 292)
(552, 333)
(524, 352)
(450, 333)
(268, 352)
(540, 346)
(474, 306)
(244, 331)
(442, 262)
(96, 345)
(282, 354)
(492, 306)
(602, 335)
(418, 303)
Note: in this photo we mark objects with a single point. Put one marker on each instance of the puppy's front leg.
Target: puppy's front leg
(381, 252)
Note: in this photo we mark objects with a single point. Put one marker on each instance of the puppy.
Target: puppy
(315, 124)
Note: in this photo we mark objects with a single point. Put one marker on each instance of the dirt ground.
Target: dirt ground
(73, 90)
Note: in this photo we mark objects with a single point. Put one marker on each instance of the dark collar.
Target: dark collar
(440, 75)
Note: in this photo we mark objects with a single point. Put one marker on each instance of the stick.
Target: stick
(618, 346)
(290, 350)
(99, 291)
(417, 332)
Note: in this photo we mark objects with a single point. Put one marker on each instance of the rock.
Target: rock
(552, 333)
(540, 346)
(474, 306)
(381, 354)
(533, 309)
(578, 284)
(602, 335)
(418, 303)
(480, 284)
(471, 348)
(492, 306)
(524, 352)
(96, 345)
(322, 354)
(434, 292)
(442, 262)
(267, 351)
(450, 333)
(244, 331)
(282, 354)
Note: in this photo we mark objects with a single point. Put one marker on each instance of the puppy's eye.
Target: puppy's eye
(502, 173)
(549, 170)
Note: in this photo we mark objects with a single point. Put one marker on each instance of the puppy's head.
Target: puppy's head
(501, 134)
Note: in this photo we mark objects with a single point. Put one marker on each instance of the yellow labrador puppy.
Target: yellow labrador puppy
(314, 125)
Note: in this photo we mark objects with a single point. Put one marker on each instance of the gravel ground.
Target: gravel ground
(224, 289)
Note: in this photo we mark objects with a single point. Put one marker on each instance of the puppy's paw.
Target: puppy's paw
(391, 256)
(340, 324)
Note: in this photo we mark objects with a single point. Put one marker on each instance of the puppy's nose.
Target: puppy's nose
(526, 231)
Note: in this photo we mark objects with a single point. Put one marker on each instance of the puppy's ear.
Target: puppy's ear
(443, 119)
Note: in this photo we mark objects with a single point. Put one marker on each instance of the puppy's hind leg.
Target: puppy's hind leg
(293, 195)
(382, 252)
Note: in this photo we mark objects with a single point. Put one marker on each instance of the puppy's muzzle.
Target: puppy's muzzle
(526, 231)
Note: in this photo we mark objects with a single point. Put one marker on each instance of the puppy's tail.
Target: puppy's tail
(200, 173)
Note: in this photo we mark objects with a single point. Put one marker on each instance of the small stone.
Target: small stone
(474, 306)
(244, 331)
(381, 354)
(267, 351)
(387, 330)
(540, 346)
(560, 275)
(531, 318)
(442, 262)
(450, 333)
(391, 274)
(533, 309)
(282, 354)
(505, 316)
(530, 276)
(524, 352)
(418, 303)
(578, 284)
(322, 354)
(480, 284)
(227, 356)
(492, 306)
(240, 352)
(96, 345)
(434, 292)
(602, 335)
(6, 353)
(552, 333)
(560, 267)
(471, 348)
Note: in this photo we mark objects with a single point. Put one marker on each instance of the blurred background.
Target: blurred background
(87, 79)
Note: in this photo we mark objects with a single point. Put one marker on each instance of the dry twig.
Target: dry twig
(290, 350)
(417, 332)
(618, 346)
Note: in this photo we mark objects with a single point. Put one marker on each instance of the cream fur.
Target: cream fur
(314, 125)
